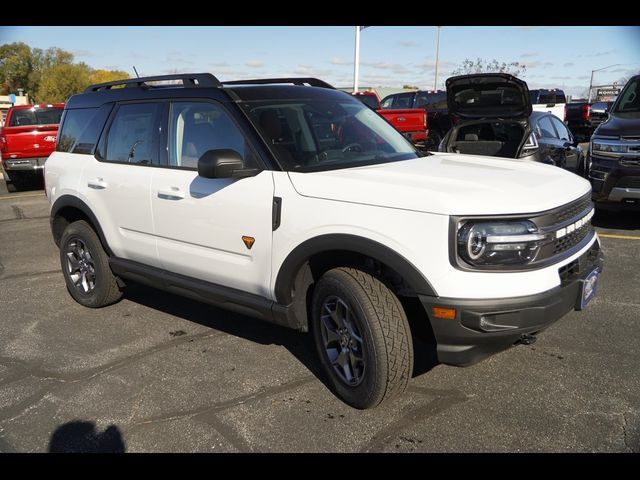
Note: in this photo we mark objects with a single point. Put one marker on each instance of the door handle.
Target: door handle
(173, 193)
(97, 183)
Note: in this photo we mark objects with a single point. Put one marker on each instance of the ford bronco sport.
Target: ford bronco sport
(293, 202)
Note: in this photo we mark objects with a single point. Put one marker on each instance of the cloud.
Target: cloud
(394, 67)
(138, 56)
(340, 61)
(82, 53)
(253, 63)
(431, 65)
(529, 54)
(568, 64)
(560, 77)
(408, 43)
(537, 63)
(218, 64)
(308, 71)
(601, 54)
(527, 28)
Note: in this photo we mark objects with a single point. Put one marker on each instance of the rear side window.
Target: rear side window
(545, 128)
(134, 133)
(35, 116)
(431, 101)
(81, 129)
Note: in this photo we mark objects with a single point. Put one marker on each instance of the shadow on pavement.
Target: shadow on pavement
(81, 437)
(299, 344)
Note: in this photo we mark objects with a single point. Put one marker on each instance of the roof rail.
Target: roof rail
(314, 82)
(189, 80)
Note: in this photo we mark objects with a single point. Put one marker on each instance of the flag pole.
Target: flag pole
(356, 60)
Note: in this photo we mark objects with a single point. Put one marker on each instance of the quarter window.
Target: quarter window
(545, 128)
(133, 135)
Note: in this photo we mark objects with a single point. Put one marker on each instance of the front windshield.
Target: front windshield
(324, 134)
(630, 99)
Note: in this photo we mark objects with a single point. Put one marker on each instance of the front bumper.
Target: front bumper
(484, 327)
(23, 164)
(615, 183)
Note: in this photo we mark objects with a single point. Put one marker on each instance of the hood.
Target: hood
(620, 125)
(448, 184)
(488, 95)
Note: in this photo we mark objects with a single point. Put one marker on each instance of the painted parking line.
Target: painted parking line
(8, 197)
(623, 237)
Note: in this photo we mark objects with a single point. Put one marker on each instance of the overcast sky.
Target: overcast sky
(561, 57)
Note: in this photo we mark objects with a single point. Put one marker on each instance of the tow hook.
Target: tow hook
(527, 339)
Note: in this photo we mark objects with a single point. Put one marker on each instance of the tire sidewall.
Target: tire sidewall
(82, 231)
(359, 396)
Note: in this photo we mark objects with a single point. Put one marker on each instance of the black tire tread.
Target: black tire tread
(387, 318)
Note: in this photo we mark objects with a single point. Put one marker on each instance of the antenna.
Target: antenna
(134, 69)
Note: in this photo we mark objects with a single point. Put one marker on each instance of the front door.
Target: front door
(214, 229)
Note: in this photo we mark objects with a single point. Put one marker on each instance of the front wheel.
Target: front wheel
(362, 336)
(85, 266)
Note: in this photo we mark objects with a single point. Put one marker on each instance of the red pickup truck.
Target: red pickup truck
(411, 122)
(27, 139)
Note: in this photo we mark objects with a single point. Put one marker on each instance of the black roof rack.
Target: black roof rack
(189, 80)
(314, 82)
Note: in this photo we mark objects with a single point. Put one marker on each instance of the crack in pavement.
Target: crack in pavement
(208, 414)
(27, 275)
(625, 438)
(444, 399)
(39, 217)
(65, 379)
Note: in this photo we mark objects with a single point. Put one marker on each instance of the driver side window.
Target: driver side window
(196, 127)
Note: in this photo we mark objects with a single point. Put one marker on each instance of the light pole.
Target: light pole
(597, 70)
(356, 61)
(435, 82)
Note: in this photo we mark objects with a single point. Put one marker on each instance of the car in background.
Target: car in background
(598, 113)
(494, 117)
(435, 104)
(583, 118)
(613, 160)
(26, 141)
(410, 122)
(549, 100)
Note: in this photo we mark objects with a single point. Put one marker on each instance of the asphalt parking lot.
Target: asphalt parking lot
(156, 372)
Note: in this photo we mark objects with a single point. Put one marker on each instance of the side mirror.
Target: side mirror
(221, 163)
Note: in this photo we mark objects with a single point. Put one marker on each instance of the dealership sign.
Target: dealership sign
(608, 92)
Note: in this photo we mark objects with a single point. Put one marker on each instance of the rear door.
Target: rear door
(117, 184)
(551, 147)
(571, 152)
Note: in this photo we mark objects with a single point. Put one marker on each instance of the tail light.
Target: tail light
(565, 112)
(3, 144)
(585, 112)
(530, 146)
(424, 120)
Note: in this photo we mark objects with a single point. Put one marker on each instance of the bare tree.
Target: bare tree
(480, 65)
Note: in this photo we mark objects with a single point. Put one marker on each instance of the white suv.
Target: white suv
(290, 201)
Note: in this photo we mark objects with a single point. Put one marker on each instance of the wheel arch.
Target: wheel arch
(68, 209)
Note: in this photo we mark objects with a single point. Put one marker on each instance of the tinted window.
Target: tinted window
(133, 135)
(630, 100)
(431, 101)
(545, 128)
(404, 100)
(35, 116)
(369, 100)
(563, 133)
(81, 129)
(547, 98)
(387, 102)
(195, 127)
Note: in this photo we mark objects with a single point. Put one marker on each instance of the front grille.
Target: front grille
(628, 182)
(580, 264)
(573, 210)
(563, 244)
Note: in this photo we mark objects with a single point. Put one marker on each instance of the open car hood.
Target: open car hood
(488, 95)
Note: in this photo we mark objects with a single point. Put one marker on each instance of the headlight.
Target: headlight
(485, 243)
(608, 148)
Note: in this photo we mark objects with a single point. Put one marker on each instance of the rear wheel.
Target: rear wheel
(85, 266)
(362, 336)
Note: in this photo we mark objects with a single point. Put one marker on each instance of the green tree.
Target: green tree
(61, 81)
(480, 65)
(16, 67)
(102, 76)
